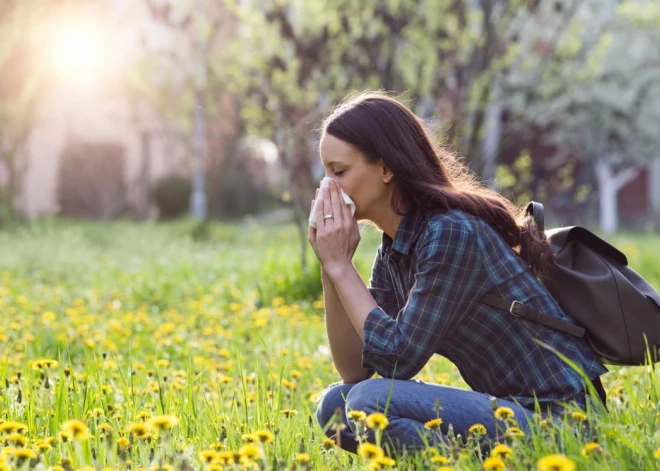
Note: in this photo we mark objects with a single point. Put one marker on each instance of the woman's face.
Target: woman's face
(365, 183)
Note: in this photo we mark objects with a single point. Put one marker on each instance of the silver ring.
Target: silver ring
(328, 216)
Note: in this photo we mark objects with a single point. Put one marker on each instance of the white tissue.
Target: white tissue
(347, 199)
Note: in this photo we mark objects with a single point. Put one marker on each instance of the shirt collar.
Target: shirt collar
(407, 232)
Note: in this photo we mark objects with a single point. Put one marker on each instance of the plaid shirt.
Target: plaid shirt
(428, 282)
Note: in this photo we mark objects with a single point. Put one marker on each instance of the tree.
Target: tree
(20, 83)
(291, 60)
(599, 94)
(185, 80)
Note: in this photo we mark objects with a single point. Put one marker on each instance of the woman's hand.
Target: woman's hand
(334, 240)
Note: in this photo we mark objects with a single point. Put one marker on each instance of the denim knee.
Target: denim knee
(369, 396)
(331, 399)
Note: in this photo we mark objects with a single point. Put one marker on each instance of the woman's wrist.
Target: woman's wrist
(338, 269)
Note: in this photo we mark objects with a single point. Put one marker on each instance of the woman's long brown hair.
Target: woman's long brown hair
(427, 175)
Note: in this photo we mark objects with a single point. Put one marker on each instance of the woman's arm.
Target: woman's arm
(345, 344)
(448, 280)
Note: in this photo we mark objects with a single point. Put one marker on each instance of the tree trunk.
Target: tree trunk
(144, 177)
(492, 136)
(609, 184)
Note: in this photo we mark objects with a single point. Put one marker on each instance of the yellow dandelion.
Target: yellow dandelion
(45, 364)
(514, 432)
(44, 446)
(289, 412)
(302, 458)
(381, 463)
(445, 468)
(377, 421)
(105, 429)
(250, 451)
(656, 454)
(579, 416)
(208, 456)
(370, 451)
(555, 462)
(11, 427)
(493, 464)
(591, 449)
(477, 429)
(440, 460)
(163, 422)
(22, 454)
(430, 451)
(16, 439)
(501, 451)
(264, 436)
(433, 424)
(356, 415)
(138, 429)
(214, 467)
(328, 443)
(503, 413)
(123, 443)
(76, 429)
(249, 438)
(225, 457)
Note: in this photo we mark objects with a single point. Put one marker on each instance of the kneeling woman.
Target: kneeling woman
(447, 242)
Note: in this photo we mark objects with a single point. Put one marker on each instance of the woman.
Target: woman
(446, 243)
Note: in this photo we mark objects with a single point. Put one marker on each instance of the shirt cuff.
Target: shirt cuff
(378, 350)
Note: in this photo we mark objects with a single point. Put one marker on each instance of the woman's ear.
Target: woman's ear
(387, 174)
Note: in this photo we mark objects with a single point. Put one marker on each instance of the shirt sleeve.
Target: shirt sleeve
(382, 290)
(448, 279)
(381, 287)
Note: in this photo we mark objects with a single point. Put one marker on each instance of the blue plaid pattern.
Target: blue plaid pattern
(428, 282)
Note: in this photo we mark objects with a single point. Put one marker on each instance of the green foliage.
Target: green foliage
(596, 94)
(172, 196)
(239, 195)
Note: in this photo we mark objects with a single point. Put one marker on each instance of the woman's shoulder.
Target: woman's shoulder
(453, 218)
(459, 219)
(454, 229)
(484, 237)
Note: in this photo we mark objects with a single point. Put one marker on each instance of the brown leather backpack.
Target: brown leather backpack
(590, 279)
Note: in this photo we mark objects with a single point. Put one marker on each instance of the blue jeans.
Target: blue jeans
(411, 405)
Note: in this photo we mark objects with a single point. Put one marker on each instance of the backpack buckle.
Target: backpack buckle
(513, 305)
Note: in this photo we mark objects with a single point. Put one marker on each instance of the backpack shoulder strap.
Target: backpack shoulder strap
(535, 210)
(518, 309)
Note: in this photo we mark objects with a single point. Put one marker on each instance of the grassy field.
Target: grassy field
(146, 346)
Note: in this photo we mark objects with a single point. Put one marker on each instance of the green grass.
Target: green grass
(219, 327)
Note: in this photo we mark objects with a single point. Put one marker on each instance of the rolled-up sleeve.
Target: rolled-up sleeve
(382, 290)
(448, 279)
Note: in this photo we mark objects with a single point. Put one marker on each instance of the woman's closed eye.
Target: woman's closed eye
(340, 172)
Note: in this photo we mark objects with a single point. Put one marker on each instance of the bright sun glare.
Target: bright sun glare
(76, 53)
